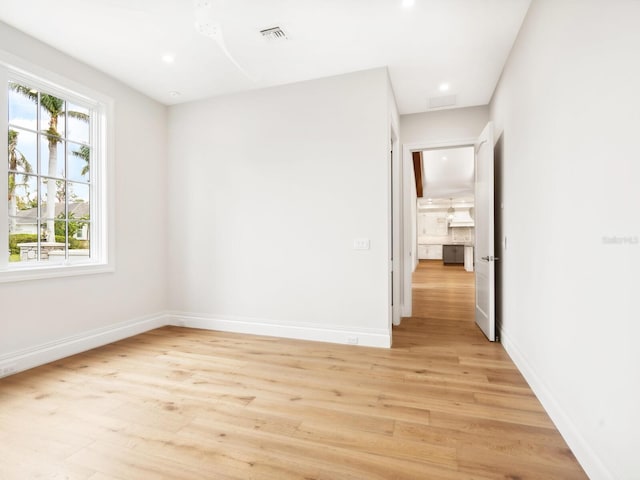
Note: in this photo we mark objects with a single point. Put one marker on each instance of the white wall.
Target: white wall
(268, 191)
(396, 216)
(39, 312)
(568, 108)
(442, 125)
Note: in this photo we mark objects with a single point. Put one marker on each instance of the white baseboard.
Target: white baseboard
(25, 359)
(583, 452)
(321, 333)
(18, 361)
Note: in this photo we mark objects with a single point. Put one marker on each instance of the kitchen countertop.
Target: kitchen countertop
(466, 244)
(434, 240)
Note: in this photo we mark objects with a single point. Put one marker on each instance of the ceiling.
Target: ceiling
(447, 174)
(463, 43)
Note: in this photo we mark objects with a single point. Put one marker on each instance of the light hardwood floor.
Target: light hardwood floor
(175, 403)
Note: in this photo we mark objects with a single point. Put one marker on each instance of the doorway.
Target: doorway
(445, 228)
(437, 208)
(444, 211)
(479, 242)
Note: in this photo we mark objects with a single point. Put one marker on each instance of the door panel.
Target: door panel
(484, 247)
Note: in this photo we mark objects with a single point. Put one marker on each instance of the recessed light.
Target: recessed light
(408, 3)
(444, 87)
(168, 58)
(445, 158)
(174, 93)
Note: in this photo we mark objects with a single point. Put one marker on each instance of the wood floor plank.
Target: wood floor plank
(177, 403)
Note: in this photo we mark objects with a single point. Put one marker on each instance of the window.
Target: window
(55, 173)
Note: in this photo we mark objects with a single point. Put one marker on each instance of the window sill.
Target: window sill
(19, 274)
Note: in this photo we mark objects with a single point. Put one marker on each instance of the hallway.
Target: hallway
(479, 402)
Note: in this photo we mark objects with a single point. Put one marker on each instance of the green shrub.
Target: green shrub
(73, 242)
(17, 238)
(84, 244)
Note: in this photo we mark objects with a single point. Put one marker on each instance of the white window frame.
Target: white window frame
(102, 223)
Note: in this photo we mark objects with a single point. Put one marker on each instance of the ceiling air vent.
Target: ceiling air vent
(445, 101)
(274, 34)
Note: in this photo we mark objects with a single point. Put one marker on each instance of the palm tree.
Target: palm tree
(16, 160)
(55, 107)
(84, 153)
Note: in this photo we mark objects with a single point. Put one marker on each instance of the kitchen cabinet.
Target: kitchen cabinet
(429, 252)
(438, 225)
(453, 254)
(434, 252)
(432, 224)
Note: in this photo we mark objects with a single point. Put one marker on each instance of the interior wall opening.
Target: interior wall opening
(444, 223)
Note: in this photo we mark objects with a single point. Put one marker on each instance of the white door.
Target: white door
(484, 251)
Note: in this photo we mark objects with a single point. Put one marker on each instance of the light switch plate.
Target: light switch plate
(361, 244)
